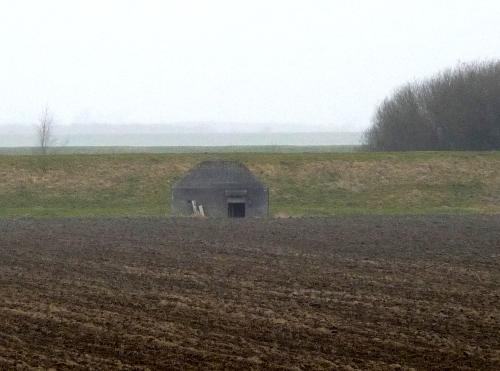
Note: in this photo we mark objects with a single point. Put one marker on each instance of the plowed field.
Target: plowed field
(337, 293)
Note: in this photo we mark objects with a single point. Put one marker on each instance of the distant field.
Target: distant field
(301, 184)
(180, 149)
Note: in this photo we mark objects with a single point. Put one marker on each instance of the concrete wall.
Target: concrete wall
(215, 200)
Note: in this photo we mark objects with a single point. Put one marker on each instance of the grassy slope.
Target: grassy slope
(301, 184)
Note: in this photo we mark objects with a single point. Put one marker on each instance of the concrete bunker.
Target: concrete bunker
(220, 189)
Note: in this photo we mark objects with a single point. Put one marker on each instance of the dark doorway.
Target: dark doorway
(236, 209)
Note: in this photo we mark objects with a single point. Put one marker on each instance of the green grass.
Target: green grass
(301, 184)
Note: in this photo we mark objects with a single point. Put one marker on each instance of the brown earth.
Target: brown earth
(336, 293)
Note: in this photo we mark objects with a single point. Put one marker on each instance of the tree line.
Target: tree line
(458, 109)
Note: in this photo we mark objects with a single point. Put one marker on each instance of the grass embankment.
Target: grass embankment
(301, 184)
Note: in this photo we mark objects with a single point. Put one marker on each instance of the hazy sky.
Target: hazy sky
(283, 63)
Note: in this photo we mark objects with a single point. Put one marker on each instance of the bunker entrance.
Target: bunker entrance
(236, 209)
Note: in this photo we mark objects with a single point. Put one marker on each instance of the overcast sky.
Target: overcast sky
(237, 64)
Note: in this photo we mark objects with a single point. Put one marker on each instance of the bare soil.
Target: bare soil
(338, 293)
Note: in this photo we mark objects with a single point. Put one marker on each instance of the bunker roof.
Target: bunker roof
(219, 173)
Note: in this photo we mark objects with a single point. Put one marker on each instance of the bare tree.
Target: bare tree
(457, 109)
(44, 130)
